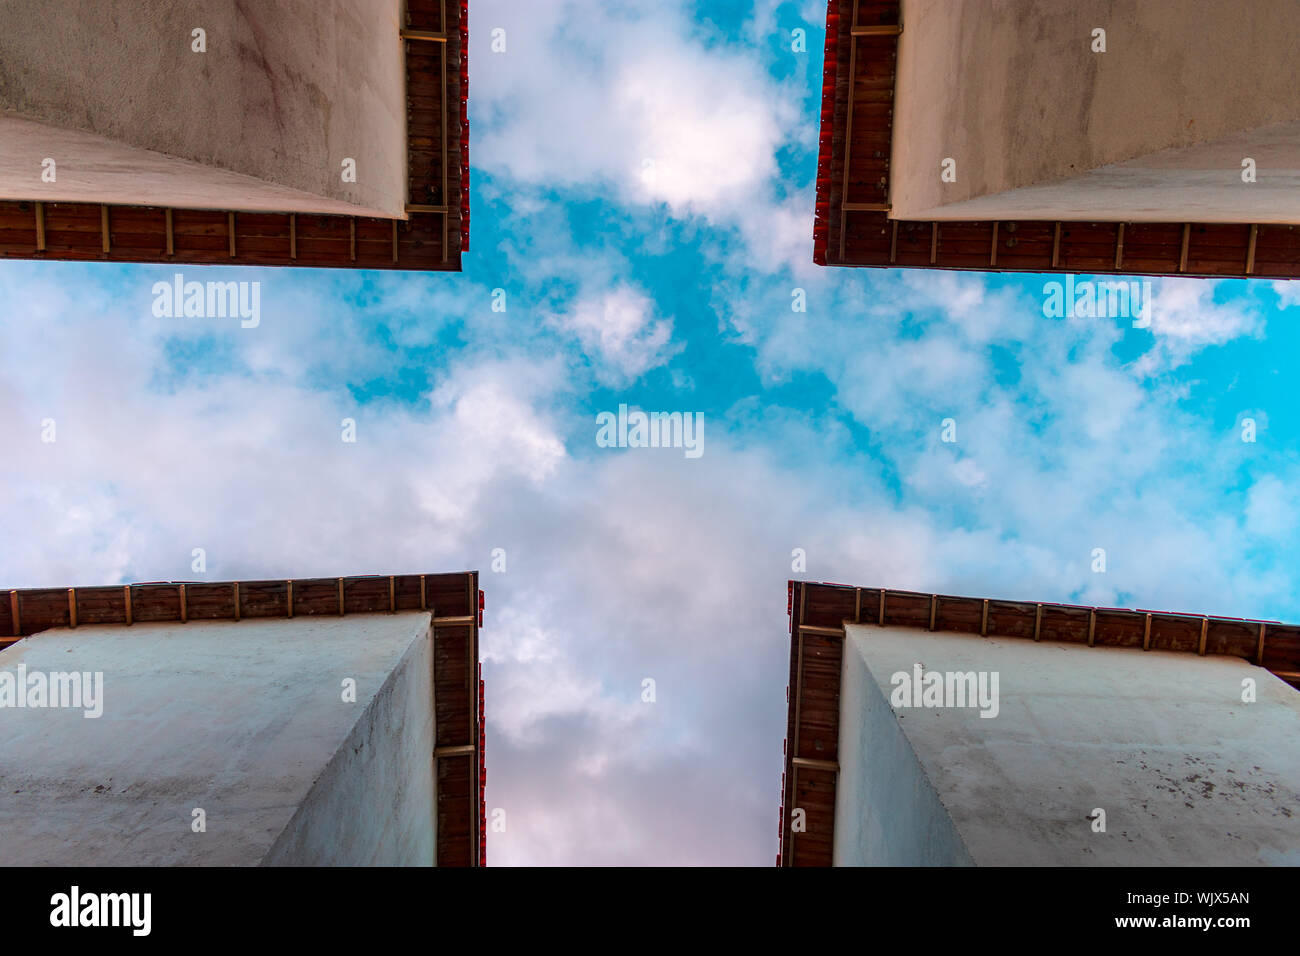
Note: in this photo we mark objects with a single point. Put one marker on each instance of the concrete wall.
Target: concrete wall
(887, 812)
(285, 91)
(1153, 129)
(375, 803)
(242, 719)
(1187, 773)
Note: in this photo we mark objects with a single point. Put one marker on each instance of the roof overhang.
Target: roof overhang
(854, 226)
(453, 600)
(429, 235)
(819, 612)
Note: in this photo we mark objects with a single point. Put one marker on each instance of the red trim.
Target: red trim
(464, 126)
(830, 69)
(482, 775)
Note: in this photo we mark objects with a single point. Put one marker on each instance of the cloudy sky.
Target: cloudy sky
(642, 192)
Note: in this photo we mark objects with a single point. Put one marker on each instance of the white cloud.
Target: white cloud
(617, 329)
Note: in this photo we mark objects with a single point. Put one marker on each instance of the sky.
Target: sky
(642, 190)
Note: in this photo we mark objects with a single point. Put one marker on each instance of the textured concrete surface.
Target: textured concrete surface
(283, 94)
(244, 720)
(1187, 774)
(1154, 129)
(887, 813)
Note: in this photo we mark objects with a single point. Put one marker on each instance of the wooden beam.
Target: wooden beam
(171, 236)
(184, 609)
(457, 750)
(395, 241)
(1119, 247)
(1092, 626)
(1259, 648)
(1205, 632)
(876, 30)
(1187, 240)
(1250, 249)
(893, 243)
(934, 243)
(126, 594)
(865, 206)
(882, 607)
(341, 605)
(40, 227)
(230, 231)
(993, 246)
(848, 132)
(984, 620)
(72, 607)
(103, 228)
(234, 597)
(415, 207)
(1146, 634)
(392, 594)
(352, 237)
(1038, 622)
(454, 621)
(822, 631)
(934, 609)
(1056, 247)
(446, 187)
(424, 601)
(15, 615)
(857, 605)
(809, 764)
(426, 35)
(288, 599)
(293, 235)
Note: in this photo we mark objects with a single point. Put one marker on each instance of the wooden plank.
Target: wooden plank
(848, 133)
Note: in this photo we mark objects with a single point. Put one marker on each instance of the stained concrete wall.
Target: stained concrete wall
(245, 720)
(1041, 127)
(285, 91)
(887, 812)
(1186, 772)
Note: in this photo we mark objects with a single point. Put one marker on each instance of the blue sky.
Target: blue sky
(642, 192)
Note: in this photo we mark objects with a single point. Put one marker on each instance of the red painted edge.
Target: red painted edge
(830, 70)
(464, 126)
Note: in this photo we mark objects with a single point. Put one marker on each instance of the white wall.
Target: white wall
(245, 720)
(1187, 773)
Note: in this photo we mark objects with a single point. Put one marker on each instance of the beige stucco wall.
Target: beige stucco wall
(1153, 129)
(285, 92)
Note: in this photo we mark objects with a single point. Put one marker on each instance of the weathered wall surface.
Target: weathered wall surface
(887, 813)
(375, 803)
(244, 720)
(285, 91)
(1186, 772)
(1012, 90)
